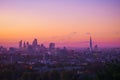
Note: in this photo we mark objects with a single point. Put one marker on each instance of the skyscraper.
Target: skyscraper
(52, 46)
(90, 43)
(24, 45)
(20, 44)
(27, 44)
(34, 42)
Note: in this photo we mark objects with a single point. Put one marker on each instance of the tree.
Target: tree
(54, 75)
(111, 71)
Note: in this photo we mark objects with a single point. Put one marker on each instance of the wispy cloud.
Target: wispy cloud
(88, 33)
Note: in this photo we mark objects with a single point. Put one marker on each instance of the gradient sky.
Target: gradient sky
(65, 22)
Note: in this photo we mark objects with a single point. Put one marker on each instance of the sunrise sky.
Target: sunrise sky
(65, 22)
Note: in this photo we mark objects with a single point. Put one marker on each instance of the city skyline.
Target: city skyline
(65, 22)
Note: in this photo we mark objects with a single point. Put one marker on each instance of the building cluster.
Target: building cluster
(35, 48)
(35, 54)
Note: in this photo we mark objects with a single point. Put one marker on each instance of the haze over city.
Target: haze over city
(59, 39)
(64, 22)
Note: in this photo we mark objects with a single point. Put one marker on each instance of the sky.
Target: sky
(65, 22)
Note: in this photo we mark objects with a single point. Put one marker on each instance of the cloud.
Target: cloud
(73, 33)
(88, 33)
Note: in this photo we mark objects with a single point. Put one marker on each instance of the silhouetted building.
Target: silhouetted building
(90, 43)
(52, 46)
(20, 44)
(24, 45)
(27, 44)
(64, 51)
(42, 47)
(34, 43)
(12, 50)
(30, 49)
(96, 47)
(3, 50)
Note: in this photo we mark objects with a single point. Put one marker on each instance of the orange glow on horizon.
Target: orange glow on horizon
(71, 23)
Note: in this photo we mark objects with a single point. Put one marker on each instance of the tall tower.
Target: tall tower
(27, 44)
(24, 45)
(20, 44)
(90, 43)
(34, 42)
